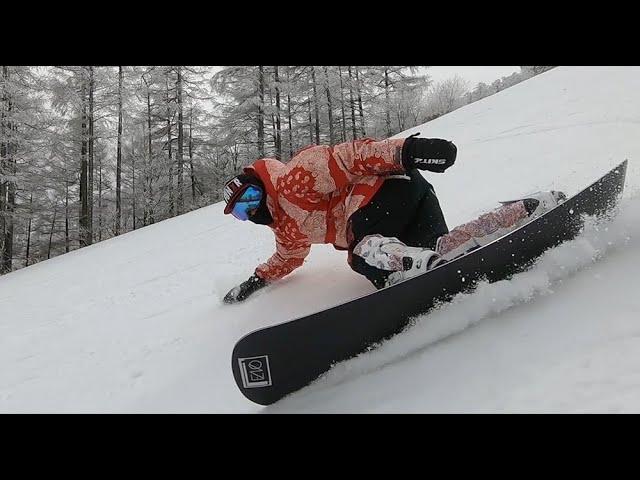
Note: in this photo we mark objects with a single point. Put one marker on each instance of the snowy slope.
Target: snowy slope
(136, 323)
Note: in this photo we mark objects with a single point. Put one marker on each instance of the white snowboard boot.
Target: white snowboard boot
(512, 214)
(389, 253)
(540, 202)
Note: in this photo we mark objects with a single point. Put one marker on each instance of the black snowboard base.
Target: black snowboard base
(273, 362)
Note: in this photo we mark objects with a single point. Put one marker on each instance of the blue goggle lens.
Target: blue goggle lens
(248, 201)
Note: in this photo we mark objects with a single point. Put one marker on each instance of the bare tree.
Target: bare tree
(180, 159)
(344, 124)
(148, 214)
(360, 109)
(53, 224)
(316, 104)
(85, 218)
(119, 157)
(278, 137)
(91, 153)
(327, 89)
(289, 114)
(352, 106)
(7, 170)
(261, 111)
(28, 249)
(446, 96)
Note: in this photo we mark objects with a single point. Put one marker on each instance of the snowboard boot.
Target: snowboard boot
(541, 202)
(418, 262)
(512, 214)
(390, 254)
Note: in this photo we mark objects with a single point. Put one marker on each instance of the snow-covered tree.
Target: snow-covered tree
(446, 96)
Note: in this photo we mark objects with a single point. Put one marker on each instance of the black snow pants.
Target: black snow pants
(407, 209)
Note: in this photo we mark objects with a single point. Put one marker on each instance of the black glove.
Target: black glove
(433, 154)
(246, 288)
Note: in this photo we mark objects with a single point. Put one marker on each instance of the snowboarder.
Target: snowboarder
(368, 198)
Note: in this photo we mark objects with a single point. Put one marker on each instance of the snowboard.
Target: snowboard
(272, 362)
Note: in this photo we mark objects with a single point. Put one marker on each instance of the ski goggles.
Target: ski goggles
(247, 202)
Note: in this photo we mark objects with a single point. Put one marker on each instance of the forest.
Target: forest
(88, 153)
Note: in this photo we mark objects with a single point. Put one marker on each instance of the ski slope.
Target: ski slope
(136, 324)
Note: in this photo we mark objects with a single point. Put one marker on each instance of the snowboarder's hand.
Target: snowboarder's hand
(246, 288)
(433, 154)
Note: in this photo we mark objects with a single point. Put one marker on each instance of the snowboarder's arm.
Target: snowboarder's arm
(320, 170)
(287, 258)
(366, 157)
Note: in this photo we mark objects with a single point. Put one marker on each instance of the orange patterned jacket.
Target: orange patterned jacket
(313, 195)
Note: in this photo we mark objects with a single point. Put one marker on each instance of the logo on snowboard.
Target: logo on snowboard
(255, 371)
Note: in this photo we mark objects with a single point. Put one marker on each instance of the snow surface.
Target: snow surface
(136, 323)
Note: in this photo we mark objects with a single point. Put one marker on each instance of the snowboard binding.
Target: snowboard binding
(392, 255)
